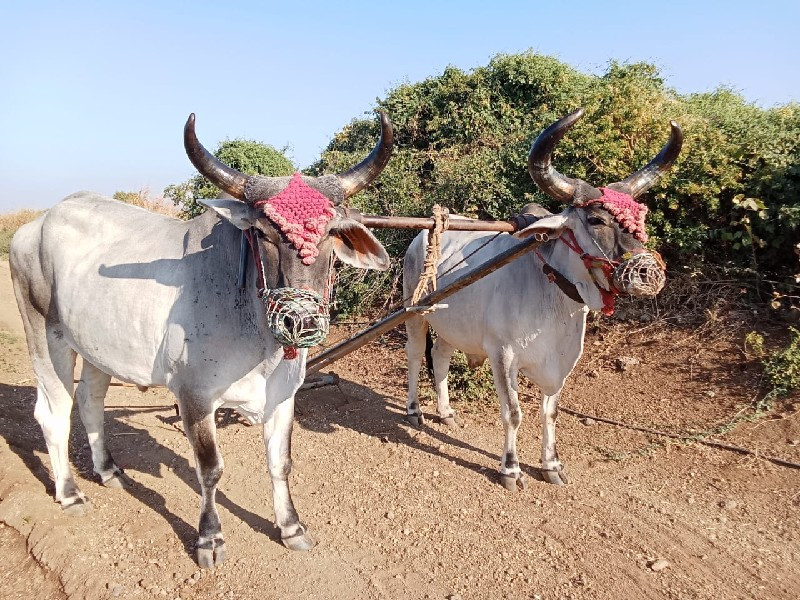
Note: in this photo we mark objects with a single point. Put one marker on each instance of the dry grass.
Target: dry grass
(13, 221)
(9, 223)
(143, 199)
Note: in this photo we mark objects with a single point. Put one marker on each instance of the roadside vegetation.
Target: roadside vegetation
(728, 210)
(144, 199)
(9, 223)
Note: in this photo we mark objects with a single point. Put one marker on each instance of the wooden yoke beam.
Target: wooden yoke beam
(341, 349)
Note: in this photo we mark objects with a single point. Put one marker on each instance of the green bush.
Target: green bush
(469, 384)
(732, 200)
(783, 367)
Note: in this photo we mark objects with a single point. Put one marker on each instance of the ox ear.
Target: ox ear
(241, 214)
(355, 245)
(554, 226)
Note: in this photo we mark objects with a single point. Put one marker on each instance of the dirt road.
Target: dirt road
(405, 513)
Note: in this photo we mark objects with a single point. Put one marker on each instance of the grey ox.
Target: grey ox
(154, 301)
(516, 316)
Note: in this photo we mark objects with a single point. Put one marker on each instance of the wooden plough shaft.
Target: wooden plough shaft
(426, 302)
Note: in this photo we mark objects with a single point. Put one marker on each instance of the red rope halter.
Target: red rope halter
(591, 262)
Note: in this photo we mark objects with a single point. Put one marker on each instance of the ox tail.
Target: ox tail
(429, 352)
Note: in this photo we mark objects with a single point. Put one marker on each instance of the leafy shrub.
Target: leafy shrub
(754, 344)
(732, 200)
(469, 384)
(783, 367)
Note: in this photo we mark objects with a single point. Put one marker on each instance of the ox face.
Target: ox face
(297, 226)
(296, 289)
(606, 234)
(606, 225)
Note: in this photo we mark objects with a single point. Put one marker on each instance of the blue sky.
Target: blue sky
(94, 95)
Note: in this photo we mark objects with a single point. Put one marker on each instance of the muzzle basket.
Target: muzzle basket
(642, 275)
(297, 318)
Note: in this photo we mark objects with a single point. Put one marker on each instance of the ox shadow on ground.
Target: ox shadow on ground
(352, 406)
(128, 444)
(349, 405)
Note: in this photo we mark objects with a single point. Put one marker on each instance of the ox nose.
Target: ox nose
(298, 318)
(641, 275)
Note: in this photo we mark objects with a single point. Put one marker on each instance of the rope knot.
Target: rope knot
(427, 279)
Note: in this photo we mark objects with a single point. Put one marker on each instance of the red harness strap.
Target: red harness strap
(250, 234)
(591, 262)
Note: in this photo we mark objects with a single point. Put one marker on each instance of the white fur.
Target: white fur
(514, 316)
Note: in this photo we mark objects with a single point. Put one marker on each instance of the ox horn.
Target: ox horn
(550, 181)
(221, 175)
(356, 179)
(638, 183)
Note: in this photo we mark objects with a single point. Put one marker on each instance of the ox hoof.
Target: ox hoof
(416, 420)
(116, 481)
(78, 508)
(211, 554)
(556, 476)
(449, 421)
(514, 480)
(300, 541)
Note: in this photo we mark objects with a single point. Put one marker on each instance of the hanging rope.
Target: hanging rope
(427, 279)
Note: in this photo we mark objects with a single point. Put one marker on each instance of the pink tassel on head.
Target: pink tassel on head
(628, 213)
(302, 214)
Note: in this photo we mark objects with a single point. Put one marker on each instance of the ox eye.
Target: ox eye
(596, 221)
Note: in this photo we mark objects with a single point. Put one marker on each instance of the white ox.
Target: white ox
(516, 316)
(153, 300)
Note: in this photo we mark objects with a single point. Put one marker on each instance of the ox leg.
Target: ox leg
(90, 394)
(416, 328)
(278, 441)
(52, 412)
(553, 469)
(442, 353)
(504, 373)
(202, 433)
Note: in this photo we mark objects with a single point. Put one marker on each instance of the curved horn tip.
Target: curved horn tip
(227, 179)
(357, 178)
(578, 113)
(676, 131)
(548, 179)
(386, 122)
(643, 179)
